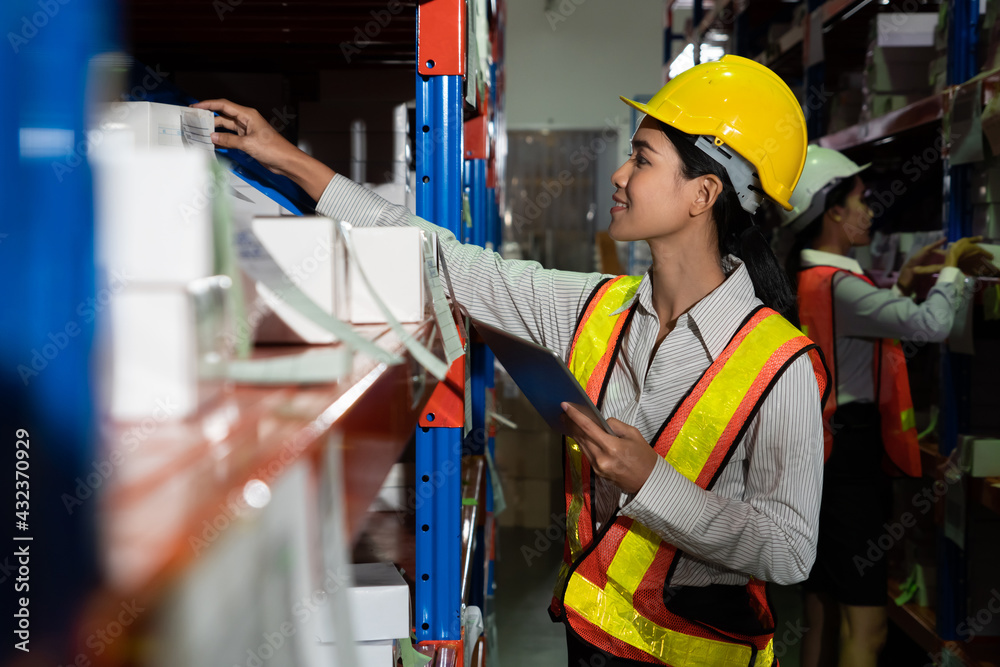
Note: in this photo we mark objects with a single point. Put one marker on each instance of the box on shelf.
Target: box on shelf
(980, 456)
(163, 349)
(905, 29)
(391, 258)
(154, 215)
(305, 248)
(151, 125)
(367, 654)
(379, 604)
(986, 220)
(396, 489)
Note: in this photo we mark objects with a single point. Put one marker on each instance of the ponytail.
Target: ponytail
(769, 281)
(737, 233)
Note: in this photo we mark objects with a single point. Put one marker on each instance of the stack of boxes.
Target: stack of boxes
(162, 311)
(529, 461)
(898, 61)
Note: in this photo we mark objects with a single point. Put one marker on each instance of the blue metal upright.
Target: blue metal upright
(439, 135)
(481, 363)
(46, 327)
(956, 368)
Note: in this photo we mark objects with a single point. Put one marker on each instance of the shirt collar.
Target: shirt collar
(719, 314)
(812, 257)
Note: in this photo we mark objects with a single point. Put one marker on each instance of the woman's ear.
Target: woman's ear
(708, 190)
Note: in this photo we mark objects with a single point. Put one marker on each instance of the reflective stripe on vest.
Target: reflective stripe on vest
(589, 357)
(599, 600)
(890, 377)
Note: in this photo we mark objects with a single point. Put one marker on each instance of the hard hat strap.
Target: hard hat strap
(742, 174)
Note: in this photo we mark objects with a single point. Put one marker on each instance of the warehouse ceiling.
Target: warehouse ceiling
(271, 35)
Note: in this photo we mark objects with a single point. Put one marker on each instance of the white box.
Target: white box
(368, 654)
(906, 29)
(152, 125)
(152, 354)
(379, 603)
(392, 260)
(154, 215)
(305, 249)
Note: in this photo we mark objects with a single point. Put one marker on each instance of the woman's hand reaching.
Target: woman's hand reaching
(625, 459)
(254, 136)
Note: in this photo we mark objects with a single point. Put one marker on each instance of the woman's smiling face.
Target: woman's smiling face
(651, 196)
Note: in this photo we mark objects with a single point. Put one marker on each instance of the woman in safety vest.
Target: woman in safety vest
(711, 486)
(868, 415)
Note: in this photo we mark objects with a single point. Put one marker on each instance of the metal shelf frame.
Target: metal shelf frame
(456, 160)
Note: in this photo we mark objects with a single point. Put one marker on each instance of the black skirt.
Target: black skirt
(857, 500)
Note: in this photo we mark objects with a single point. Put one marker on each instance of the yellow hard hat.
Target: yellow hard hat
(744, 105)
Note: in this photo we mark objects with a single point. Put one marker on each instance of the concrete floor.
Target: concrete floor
(526, 635)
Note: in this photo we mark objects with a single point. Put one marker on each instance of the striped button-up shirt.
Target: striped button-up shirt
(760, 517)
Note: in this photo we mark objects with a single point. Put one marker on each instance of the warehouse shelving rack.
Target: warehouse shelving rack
(459, 154)
(934, 630)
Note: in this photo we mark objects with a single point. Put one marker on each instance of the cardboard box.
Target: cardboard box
(151, 125)
(151, 356)
(392, 261)
(305, 248)
(905, 29)
(154, 215)
(379, 603)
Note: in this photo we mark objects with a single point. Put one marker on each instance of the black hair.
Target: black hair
(737, 233)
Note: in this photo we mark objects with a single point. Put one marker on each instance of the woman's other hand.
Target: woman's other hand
(926, 261)
(626, 459)
(970, 258)
(254, 136)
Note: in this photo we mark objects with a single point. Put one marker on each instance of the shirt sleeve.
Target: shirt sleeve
(517, 296)
(865, 311)
(771, 532)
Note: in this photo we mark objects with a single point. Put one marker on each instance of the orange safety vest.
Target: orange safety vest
(892, 382)
(612, 588)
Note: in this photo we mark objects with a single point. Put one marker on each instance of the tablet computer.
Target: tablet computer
(541, 374)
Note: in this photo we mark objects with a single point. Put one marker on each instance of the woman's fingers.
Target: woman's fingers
(229, 124)
(226, 140)
(225, 108)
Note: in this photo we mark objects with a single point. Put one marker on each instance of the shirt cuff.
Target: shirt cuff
(345, 200)
(668, 501)
(950, 274)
